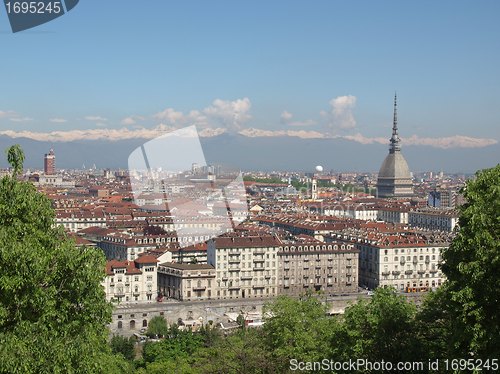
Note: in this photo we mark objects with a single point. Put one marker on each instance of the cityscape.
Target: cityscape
(249, 187)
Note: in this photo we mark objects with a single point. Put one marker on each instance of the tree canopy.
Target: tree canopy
(472, 267)
(53, 310)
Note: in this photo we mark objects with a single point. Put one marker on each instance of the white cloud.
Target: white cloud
(230, 114)
(142, 133)
(449, 142)
(9, 113)
(172, 117)
(307, 123)
(58, 120)
(340, 116)
(131, 120)
(21, 119)
(285, 116)
(95, 118)
(100, 124)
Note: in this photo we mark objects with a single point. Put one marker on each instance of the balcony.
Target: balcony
(200, 288)
(234, 260)
(386, 273)
(396, 272)
(259, 252)
(421, 271)
(225, 278)
(246, 277)
(434, 270)
(255, 286)
(258, 260)
(234, 287)
(409, 272)
(234, 269)
(258, 269)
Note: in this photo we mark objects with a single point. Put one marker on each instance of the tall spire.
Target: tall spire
(395, 147)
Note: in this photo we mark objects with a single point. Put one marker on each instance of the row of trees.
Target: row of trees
(53, 310)
(387, 328)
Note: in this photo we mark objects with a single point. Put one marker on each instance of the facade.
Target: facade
(78, 220)
(186, 281)
(393, 213)
(313, 265)
(246, 267)
(123, 247)
(132, 281)
(49, 163)
(51, 180)
(434, 219)
(394, 177)
(399, 260)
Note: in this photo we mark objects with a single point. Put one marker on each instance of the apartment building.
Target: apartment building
(434, 219)
(126, 247)
(186, 281)
(246, 267)
(77, 220)
(308, 264)
(405, 259)
(132, 281)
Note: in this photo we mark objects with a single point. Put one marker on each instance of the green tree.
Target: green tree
(297, 329)
(157, 326)
(382, 328)
(472, 268)
(240, 352)
(53, 310)
(178, 344)
(120, 344)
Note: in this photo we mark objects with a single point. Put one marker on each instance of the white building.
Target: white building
(434, 219)
(245, 266)
(77, 220)
(401, 260)
(132, 281)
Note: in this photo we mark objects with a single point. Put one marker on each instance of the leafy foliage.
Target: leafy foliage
(178, 344)
(157, 326)
(53, 310)
(382, 328)
(472, 267)
(297, 328)
(120, 344)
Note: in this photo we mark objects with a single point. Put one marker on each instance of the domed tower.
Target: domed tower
(394, 177)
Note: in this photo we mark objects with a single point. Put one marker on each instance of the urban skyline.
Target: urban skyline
(329, 72)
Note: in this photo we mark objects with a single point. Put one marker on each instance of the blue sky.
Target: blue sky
(134, 59)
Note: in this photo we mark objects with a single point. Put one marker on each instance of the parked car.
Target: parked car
(370, 293)
(143, 331)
